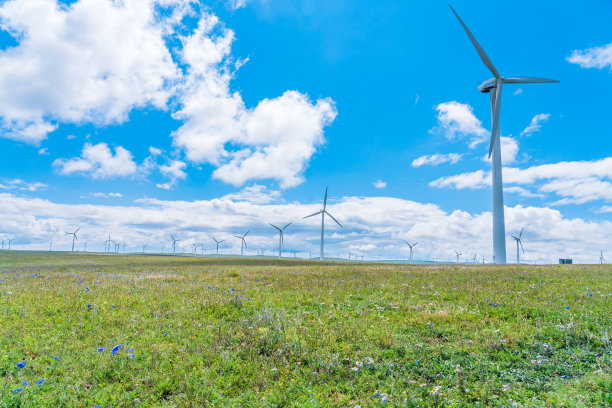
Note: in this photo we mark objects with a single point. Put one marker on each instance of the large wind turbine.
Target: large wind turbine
(74, 237)
(494, 87)
(323, 212)
(280, 238)
(458, 255)
(519, 241)
(243, 245)
(174, 241)
(218, 242)
(411, 246)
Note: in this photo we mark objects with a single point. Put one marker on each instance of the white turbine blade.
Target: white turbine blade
(238, 236)
(415, 244)
(530, 80)
(244, 240)
(406, 242)
(274, 226)
(516, 238)
(77, 230)
(521, 232)
(483, 55)
(221, 241)
(332, 217)
(325, 199)
(495, 124)
(521, 243)
(287, 225)
(312, 215)
(247, 233)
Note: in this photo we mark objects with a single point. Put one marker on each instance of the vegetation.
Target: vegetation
(153, 331)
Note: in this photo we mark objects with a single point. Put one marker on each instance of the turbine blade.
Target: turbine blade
(483, 56)
(522, 246)
(495, 124)
(238, 236)
(77, 230)
(247, 233)
(312, 215)
(521, 232)
(530, 80)
(287, 225)
(415, 244)
(332, 217)
(325, 199)
(406, 242)
(244, 240)
(274, 226)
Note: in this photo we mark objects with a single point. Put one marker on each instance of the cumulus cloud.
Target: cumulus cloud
(90, 61)
(435, 159)
(18, 184)
(95, 61)
(105, 195)
(536, 124)
(374, 226)
(174, 170)
(380, 184)
(509, 150)
(576, 182)
(99, 162)
(596, 57)
(456, 120)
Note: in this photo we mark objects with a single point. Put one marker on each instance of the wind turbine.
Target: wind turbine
(518, 242)
(2, 244)
(85, 247)
(74, 237)
(601, 258)
(458, 254)
(9, 244)
(107, 244)
(323, 212)
(218, 242)
(280, 238)
(243, 245)
(474, 258)
(411, 246)
(144, 248)
(494, 87)
(174, 241)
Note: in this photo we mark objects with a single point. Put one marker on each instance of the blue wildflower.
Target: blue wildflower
(24, 382)
(130, 350)
(56, 358)
(115, 349)
(567, 308)
(418, 361)
(131, 356)
(21, 364)
(39, 382)
(166, 335)
(101, 349)
(15, 391)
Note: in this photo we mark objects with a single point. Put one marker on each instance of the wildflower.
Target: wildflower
(115, 349)
(130, 350)
(383, 398)
(101, 349)
(355, 368)
(21, 364)
(15, 391)
(39, 382)
(418, 361)
(166, 335)
(435, 389)
(89, 306)
(56, 358)
(131, 356)
(568, 308)
(25, 383)
(369, 360)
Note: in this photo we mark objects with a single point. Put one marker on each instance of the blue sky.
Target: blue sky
(260, 104)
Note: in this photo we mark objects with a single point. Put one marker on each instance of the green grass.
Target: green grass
(312, 334)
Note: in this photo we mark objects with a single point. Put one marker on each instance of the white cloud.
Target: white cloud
(236, 4)
(509, 150)
(518, 91)
(256, 194)
(90, 61)
(154, 151)
(375, 226)
(536, 124)
(435, 159)
(105, 195)
(596, 57)
(99, 162)
(173, 170)
(456, 120)
(380, 184)
(577, 182)
(43, 151)
(605, 209)
(18, 184)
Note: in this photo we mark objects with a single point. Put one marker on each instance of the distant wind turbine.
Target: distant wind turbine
(323, 212)
(458, 255)
(74, 237)
(243, 244)
(411, 246)
(280, 238)
(218, 242)
(494, 87)
(107, 244)
(2, 244)
(9, 244)
(474, 258)
(85, 247)
(174, 241)
(144, 248)
(519, 241)
(601, 258)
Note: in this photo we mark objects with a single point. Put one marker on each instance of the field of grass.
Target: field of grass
(89, 330)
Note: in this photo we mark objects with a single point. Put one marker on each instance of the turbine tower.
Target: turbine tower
(458, 255)
(144, 248)
(74, 237)
(519, 241)
(280, 238)
(494, 87)
(411, 246)
(218, 242)
(243, 244)
(323, 212)
(601, 258)
(474, 258)
(174, 241)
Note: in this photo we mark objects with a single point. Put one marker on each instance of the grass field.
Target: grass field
(198, 332)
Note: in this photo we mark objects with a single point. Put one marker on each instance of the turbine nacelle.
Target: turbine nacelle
(489, 84)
